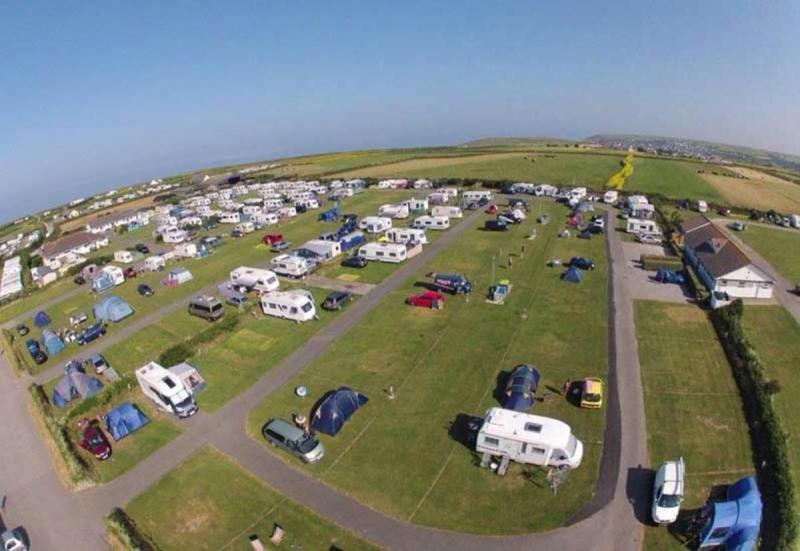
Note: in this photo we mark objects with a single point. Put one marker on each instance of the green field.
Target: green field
(781, 248)
(692, 405)
(397, 455)
(210, 503)
(676, 179)
(776, 337)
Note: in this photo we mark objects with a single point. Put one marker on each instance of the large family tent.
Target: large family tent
(178, 276)
(40, 319)
(734, 523)
(334, 410)
(125, 419)
(75, 384)
(111, 308)
(572, 275)
(52, 342)
(102, 282)
(520, 391)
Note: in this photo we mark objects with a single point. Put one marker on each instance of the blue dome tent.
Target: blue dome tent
(572, 275)
(520, 391)
(334, 410)
(52, 342)
(125, 419)
(111, 308)
(734, 523)
(40, 319)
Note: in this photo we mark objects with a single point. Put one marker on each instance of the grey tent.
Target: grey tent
(75, 384)
(52, 342)
(572, 275)
(111, 308)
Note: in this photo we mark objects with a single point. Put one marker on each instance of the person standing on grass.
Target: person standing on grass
(522, 251)
(566, 388)
(510, 261)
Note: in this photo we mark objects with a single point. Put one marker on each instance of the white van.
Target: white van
(431, 222)
(290, 266)
(447, 212)
(384, 252)
(530, 439)
(404, 235)
(375, 224)
(257, 279)
(297, 305)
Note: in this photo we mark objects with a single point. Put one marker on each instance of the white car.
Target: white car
(668, 492)
(648, 239)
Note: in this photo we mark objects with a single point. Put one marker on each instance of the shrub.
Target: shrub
(652, 262)
(184, 350)
(127, 532)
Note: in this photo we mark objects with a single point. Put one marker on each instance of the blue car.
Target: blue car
(36, 352)
(91, 333)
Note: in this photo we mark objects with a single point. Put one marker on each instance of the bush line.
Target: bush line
(126, 531)
(182, 351)
(770, 452)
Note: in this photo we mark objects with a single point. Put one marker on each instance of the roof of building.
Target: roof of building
(112, 218)
(69, 242)
(718, 254)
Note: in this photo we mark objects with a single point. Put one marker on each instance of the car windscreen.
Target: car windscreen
(591, 397)
(306, 444)
(667, 500)
(216, 307)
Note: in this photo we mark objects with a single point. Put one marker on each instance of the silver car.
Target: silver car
(12, 540)
(294, 440)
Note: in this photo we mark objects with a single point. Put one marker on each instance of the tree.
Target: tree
(773, 386)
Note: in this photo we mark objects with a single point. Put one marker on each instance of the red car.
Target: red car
(492, 209)
(428, 299)
(129, 273)
(94, 441)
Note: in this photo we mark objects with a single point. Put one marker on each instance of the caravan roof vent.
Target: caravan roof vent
(533, 427)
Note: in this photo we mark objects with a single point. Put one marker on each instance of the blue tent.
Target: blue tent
(573, 275)
(336, 409)
(40, 319)
(329, 215)
(52, 342)
(75, 384)
(124, 420)
(102, 283)
(520, 391)
(111, 308)
(668, 276)
(734, 523)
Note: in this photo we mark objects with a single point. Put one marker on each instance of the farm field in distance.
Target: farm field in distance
(757, 190)
(398, 456)
(779, 247)
(676, 179)
(691, 413)
(208, 503)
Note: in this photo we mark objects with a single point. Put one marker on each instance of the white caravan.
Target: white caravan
(173, 234)
(416, 204)
(307, 203)
(244, 227)
(610, 197)
(154, 263)
(431, 222)
(545, 190)
(394, 211)
(273, 203)
(257, 279)
(375, 224)
(230, 218)
(530, 439)
(166, 390)
(406, 235)
(645, 227)
(266, 218)
(185, 250)
(296, 305)
(474, 195)
(115, 273)
(289, 265)
(287, 212)
(446, 211)
(384, 252)
(126, 257)
(328, 250)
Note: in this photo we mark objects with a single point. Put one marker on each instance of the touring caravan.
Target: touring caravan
(384, 252)
(166, 390)
(416, 205)
(244, 227)
(471, 195)
(394, 211)
(375, 224)
(610, 197)
(230, 218)
(404, 235)
(154, 263)
(126, 257)
(290, 265)
(530, 439)
(273, 203)
(185, 250)
(256, 279)
(324, 248)
(296, 305)
(431, 222)
(637, 226)
(265, 218)
(115, 273)
(545, 190)
(173, 234)
(287, 212)
(309, 203)
(446, 211)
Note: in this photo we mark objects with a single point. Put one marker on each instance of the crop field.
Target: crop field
(692, 406)
(676, 179)
(776, 337)
(398, 455)
(781, 248)
(210, 503)
(757, 190)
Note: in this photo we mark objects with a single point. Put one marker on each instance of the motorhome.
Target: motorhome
(126, 257)
(638, 226)
(296, 305)
(384, 252)
(405, 235)
(375, 224)
(530, 439)
(166, 390)
(244, 227)
(256, 279)
(610, 197)
(394, 211)
(290, 265)
(447, 211)
(327, 250)
(476, 195)
(431, 222)
(230, 218)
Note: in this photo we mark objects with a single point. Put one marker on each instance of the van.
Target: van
(294, 440)
(206, 307)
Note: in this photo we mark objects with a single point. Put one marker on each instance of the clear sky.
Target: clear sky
(97, 95)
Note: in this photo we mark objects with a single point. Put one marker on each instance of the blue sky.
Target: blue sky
(97, 95)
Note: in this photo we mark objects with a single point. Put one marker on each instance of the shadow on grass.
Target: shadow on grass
(639, 491)
(500, 388)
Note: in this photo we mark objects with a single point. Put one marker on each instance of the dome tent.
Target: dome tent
(40, 319)
(75, 384)
(111, 308)
(125, 419)
(52, 342)
(335, 409)
(573, 275)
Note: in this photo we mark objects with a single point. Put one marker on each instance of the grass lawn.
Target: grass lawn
(210, 503)
(396, 455)
(692, 404)
(781, 248)
(776, 336)
(677, 179)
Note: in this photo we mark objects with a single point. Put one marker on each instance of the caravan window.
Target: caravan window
(306, 307)
(489, 441)
(293, 310)
(379, 253)
(533, 427)
(572, 443)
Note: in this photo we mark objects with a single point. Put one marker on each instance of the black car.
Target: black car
(36, 351)
(582, 263)
(142, 248)
(336, 300)
(495, 225)
(79, 280)
(22, 329)
(145, 290)
(355, 262)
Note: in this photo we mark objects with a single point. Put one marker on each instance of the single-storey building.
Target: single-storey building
(114, 220)
(721, 265)
(71, 248)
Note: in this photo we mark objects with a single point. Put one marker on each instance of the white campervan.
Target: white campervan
(297, 305)
(405, 235)
(257, 279)
(384, 252)
(431, 222)
(166, 390)
(375, 224)
(447, 212)
(289, 265)
(527, 438)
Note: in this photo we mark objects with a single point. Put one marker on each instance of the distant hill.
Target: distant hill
(510, 142)
(698, 148)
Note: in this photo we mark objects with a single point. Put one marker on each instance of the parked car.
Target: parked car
(142, 248)
(206, 307)
(582, 263)
(427, 299)
(495, 225)
(145, 290)
(279, 246)
(668, 492)
(599, 223)
(13, 540)
(97, 362)
(237, 234)
(91, 333)
(354, 262)
(724, 212)
(336, 300)
(22, 329)
(592, 393)
(94, 441)
(79, 280)
(648, 239)
(129, 272)
(36, 352)
(294, 440)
